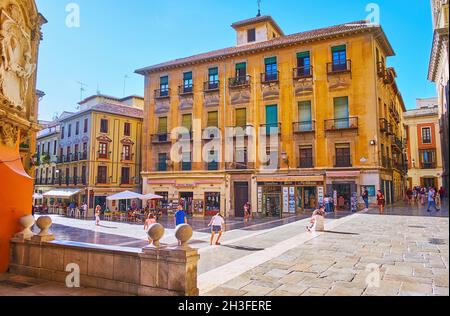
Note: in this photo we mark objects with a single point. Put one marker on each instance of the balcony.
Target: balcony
(240, 165)
(60, 159)
(68, 158)
(384, 125)
(211, 86)
(381, 69)
(343, 161)
(397, 142)
(342, 124)
(304, 127)
(272, 77)
(127, 157)
(162, 93)
(302, 73)
(271, 129)
(127, 181)
(212, 166)
(306, 162)
(428, 165)
(83, 156)
(388, 78)
(386, 162)
(161, 166)
(161, 138)
(239, 82)
(102, 180)
(339, 67)
(186, 90)
(102, 155)
(186, 166)
(75, 180)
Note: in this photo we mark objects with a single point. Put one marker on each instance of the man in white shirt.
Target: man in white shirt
(217, 223)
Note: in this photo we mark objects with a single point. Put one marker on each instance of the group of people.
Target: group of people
(421, 195)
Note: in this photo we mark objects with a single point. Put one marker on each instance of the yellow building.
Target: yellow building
(325, 98)
(99, 152)
(424, 144)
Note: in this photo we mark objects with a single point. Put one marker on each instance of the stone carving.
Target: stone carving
(104, 138)
(304, 87)
(239, 97)
(340, 81)
(8, 133)
(17, 67)
(186, 103)
(212, 100)
(184, 233)
(155, 233)
(44, 223)
(162, 107)
(271, 91)
(27, 222)
(127, 141)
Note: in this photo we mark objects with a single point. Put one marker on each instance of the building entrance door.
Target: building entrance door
(344, 194)
(187, 201)
(272, 201)
(240, 198)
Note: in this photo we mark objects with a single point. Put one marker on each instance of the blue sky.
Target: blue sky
(117, 37)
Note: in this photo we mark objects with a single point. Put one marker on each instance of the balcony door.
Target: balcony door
(305, 116)
(271, 119)
(341, 113)
(339, 54)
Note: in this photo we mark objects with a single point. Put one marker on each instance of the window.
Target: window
(241, 158)
(48, 149)
(103, 150)
(43, 149)
(77, 128)
(272, 119)
(426, 135)
(186, 164)
(85, 126)
(343, 158)
(164, 86)
(104, 126)
(55, 144)
(102, 174)
(187, 82)
(306, 157)
(162, 125)
(127, 129)
(213, 78)
(162, 162)
(126, 153)
(427, 159)
(271, 67)
(77, 151)
(61, 155)
(83, 175)
(341, 113)
(164, 202)
(241, 71)
(213, 159)
(212, 203)
(69, 132)
(251, 35)
(305, 116)
(339, 54)
(303, 64)
(67, 176)
(213, 119)
(62, 132)
(186, 121)
(75, 175)
(68, 154)
(241, 117)
(125, 179)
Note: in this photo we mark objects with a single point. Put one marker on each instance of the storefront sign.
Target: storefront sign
(285, 200)
(292, 200)
(320, 195)
(291, 179)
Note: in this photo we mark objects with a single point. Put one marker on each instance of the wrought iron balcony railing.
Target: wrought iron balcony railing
(239, 82)
(347, 123)
(337, 67)
(304, 127)
(302, 72)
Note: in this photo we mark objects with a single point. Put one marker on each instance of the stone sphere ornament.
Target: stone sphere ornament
(155, 233)
(184, 233)
(44, 223)
(27, 222)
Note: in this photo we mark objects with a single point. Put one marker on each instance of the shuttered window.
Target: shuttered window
(304, 111)
(241, 117)
(162, 125)
(341, 112)
(213, 119)
(187, 121)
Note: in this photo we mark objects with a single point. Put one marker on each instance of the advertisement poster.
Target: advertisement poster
(285, 200)
(321, 195)
(292, 200)
(260, 198)
(354, 202)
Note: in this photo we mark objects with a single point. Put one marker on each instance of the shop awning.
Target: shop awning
(37, 196)
(126, 195)
(63, 194)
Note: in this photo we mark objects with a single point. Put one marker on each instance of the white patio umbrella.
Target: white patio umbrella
(126, 195)
(151, 196)
(38, 196)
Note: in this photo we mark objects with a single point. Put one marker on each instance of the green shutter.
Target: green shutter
(164, 80)
(213, 71)
(241, 66)
(187, 76)
(213, 119)
(241, 117)
(187, 121)
(162, 125)
(338, 48)
(303, 55)
(272, 115)
(270, 60)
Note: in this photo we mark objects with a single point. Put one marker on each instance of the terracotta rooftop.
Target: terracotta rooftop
(112, 109)
(258, 19)
(284, 41)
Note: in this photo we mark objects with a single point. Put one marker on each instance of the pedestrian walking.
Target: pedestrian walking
(317, 222)
(217, 224)
(247, 212)
(423, 192)
(432, 200)
(381, 201)
(83, 210)
(148, 223)
(409, 195)
(98, 209)
(365, 197)
(442, 193)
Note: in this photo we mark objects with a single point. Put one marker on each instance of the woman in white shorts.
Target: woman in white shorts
(217, 223)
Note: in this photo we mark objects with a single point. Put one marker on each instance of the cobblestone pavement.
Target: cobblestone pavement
(367, 254)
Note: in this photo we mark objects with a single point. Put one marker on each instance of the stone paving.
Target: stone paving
(410, 253)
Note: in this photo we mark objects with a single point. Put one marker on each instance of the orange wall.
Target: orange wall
(419, 136)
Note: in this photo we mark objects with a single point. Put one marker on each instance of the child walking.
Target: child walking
(217, 223)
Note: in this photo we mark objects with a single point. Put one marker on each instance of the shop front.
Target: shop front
(342, 186)
(281, 199)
